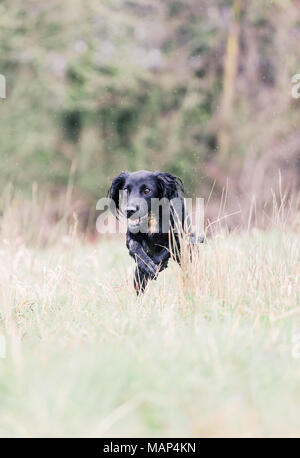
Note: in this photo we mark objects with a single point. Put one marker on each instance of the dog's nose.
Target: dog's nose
(129, 211)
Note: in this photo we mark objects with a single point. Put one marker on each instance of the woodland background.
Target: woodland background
(198, 88)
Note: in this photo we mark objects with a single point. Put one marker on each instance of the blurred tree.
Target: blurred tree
(196, 87)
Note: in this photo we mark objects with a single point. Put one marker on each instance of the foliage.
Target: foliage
(113, 84)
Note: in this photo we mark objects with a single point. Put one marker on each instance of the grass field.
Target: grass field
(208, 351)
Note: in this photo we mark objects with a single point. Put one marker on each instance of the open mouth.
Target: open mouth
(136, 222)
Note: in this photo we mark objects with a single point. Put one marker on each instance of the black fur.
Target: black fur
(151, 251)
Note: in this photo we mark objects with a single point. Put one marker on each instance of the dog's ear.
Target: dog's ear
(116, 186)
(170, 186)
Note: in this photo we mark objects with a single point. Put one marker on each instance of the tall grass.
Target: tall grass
(207, 351)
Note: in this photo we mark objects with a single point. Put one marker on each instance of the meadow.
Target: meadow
(206, 90)
(210, 350)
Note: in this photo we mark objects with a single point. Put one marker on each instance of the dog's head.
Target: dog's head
(136, 190)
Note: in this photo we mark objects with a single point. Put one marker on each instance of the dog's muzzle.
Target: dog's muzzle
(137, 222)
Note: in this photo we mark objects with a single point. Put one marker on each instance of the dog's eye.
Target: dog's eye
(146, 191)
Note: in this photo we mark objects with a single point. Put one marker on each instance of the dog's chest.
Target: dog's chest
(154, 244)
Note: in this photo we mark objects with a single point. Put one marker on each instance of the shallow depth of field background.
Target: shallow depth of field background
(198, 88)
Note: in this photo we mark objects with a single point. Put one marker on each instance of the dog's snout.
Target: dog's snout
(130, 211)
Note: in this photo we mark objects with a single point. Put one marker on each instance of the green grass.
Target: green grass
(206, 352)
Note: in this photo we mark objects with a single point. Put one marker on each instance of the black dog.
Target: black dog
(150, 241)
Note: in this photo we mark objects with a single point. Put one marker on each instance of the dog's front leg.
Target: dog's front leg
(162, 258)
(144, 262)
(140, 281)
